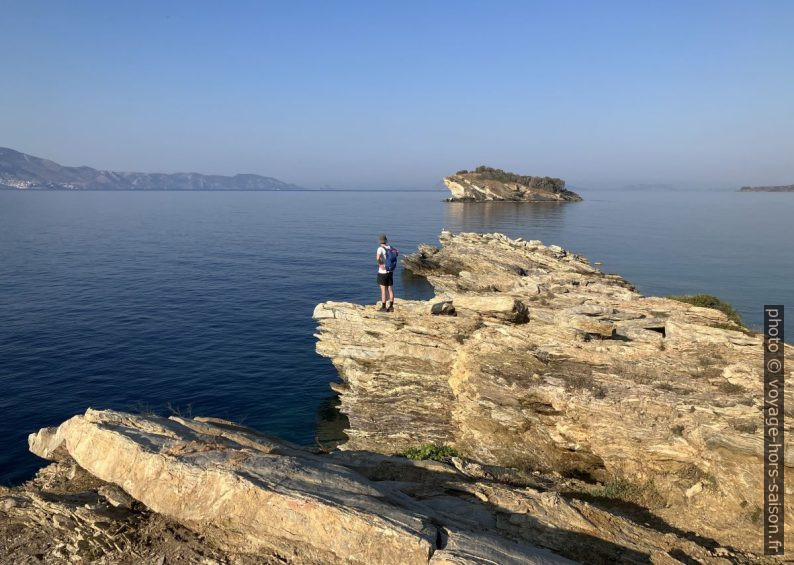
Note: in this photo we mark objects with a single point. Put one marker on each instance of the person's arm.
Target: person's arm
(379, 256)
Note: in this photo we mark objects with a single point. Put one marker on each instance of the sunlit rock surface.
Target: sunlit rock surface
(146, 489)
(248, 495)
(486, 184)
(549, 364)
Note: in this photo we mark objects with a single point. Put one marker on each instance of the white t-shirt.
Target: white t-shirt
(382, 252)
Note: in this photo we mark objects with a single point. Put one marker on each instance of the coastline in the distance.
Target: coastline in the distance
(19, 171)
(783, 188)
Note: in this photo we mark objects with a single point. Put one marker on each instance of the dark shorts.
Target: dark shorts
(386, 279)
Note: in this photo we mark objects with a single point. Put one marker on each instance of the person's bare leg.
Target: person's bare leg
(383, 296)
(391, 294)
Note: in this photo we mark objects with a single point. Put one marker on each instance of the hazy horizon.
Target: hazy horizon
(362, 96)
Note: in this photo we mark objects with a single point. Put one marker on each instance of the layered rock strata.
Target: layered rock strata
(545, 363)
(592, 424)
(131, 489)
(251, 495)
(486, 184)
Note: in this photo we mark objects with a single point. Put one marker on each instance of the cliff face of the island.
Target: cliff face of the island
(551, 365)
(485, 184)
(784, 188)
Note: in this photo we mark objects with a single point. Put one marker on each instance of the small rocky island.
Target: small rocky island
(537, 410)
(486, 184)
(784, 188)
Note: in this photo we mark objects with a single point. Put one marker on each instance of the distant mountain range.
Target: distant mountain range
(19, 171)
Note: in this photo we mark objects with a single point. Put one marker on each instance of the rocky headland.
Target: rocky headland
(537, 360)
(486, 184)
(570, 418)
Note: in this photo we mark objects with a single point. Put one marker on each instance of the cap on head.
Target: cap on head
(382, 238)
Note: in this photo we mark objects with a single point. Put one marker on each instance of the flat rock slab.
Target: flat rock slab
(256, 495)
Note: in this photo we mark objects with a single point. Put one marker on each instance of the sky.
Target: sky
(377, 94)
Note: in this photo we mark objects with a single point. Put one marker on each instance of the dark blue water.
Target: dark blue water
(203, 300)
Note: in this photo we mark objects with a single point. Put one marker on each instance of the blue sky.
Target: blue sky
(398, 94)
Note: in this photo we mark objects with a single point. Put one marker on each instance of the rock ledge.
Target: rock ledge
(550, 365)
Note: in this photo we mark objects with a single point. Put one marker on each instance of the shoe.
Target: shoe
(391, 307)
(382, 308)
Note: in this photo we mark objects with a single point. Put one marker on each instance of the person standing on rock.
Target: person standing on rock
(386, 256)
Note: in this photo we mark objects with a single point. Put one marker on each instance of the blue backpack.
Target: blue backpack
(390, 258)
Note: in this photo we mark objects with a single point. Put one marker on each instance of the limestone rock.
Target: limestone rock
(217, 492)
(256, 500)
(646, 395)
(487, 184)
(47, 443)
(62, 516)
(498, 307)
(253, 495)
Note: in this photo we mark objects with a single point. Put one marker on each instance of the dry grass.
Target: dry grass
(693, 473)
(580, 377)
(745, 427)
(731, 388)
(707, 365)
(636, 372)
(674, 389)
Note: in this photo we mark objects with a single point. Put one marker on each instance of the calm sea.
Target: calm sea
(201, 303)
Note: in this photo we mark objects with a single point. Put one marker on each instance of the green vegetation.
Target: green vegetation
(549, 184)
(622, 490)
(710, 301)
(431, 451)
(732, 327)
